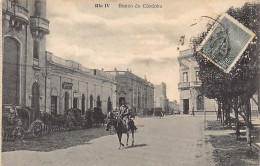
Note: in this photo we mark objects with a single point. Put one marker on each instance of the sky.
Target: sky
(143, 40)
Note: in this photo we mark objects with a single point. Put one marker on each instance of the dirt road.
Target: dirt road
(173, 140)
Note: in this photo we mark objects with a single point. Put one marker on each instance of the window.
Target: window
(36, 49)
(75, 102)
(98, 101)
(197, 75)
(83, 103)
(91, 101)
(66, 101)
(185, 77)
(54, 105)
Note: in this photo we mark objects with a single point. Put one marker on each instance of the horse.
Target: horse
(120, 128)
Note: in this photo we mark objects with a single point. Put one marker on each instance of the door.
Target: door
(120, 100)
(186, 106)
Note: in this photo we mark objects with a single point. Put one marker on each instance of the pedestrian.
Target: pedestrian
(192, 111)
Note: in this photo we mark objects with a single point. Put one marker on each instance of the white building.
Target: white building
(189, 84)
(71, 85)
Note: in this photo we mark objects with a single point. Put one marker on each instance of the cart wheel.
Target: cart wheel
(18, 133)
(37, 129)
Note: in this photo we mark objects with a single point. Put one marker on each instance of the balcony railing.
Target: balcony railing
(184, 85)
(195, 83)
(39, 24)
(189, 84)
(16, 10)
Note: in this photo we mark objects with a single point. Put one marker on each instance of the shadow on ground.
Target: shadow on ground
(55, 140)
(136, 146)
(230, 151)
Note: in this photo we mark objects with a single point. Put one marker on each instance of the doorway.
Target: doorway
(120, 100)
(185, 106)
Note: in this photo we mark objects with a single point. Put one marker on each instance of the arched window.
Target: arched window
(98, 102)
(83, 104)
(10, 77)
(109, 105)
(35, 103)
(35, 96)
(91, 101)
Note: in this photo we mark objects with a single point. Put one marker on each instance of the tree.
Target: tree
(234, 89)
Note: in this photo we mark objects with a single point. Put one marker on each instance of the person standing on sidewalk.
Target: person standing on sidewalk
(192, 112)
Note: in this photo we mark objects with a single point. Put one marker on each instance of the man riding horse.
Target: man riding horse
(122, 124)
(125, 115)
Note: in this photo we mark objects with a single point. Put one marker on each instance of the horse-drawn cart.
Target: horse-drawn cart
(23, 120)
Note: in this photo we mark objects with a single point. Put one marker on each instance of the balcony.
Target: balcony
(39, 26)
(195, 83)
(13, 10)
(183, 85)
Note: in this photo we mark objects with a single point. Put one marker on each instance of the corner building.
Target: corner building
(24, 30)
(189, 84)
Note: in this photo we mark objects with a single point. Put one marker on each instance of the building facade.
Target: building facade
(136, 91)
(189, 83)
(160, 97)
(24, 30)
(71, 85)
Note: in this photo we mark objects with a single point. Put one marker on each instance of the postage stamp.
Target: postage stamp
(226, 42)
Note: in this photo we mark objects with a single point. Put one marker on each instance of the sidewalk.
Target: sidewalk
(255, 139)
(227, 149)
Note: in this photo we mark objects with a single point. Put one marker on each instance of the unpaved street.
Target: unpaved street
(173, 140)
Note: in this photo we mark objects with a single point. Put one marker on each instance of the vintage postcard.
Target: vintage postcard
(119, 82)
